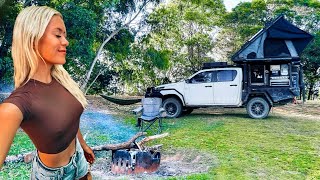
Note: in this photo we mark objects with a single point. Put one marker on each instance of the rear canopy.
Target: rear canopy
(277, 41)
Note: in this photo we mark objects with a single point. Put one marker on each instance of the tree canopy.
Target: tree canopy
(129, 45)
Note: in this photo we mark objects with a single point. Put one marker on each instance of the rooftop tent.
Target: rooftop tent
(278, 40)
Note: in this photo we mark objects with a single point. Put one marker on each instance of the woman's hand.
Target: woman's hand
(88, 154)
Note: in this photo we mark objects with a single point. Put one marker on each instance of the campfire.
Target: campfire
(134, 161)
(134, 157)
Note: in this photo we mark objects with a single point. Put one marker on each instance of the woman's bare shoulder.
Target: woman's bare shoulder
(10, 111)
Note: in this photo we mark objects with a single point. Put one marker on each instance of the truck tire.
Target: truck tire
(173, 107)
(258, 108)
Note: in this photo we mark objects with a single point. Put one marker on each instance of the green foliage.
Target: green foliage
(15, 171)
(182, 30)
(6, 70)
(311, 61)
(180, 36)
(246, 19)
(81, 31)
(21, 144)
(207, 4)
(119, 45)
(141, 67)
(159, 59)
(8, 12)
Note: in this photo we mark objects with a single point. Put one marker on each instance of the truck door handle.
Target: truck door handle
(208, 86)
(233, 85)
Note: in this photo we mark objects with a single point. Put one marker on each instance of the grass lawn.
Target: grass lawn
(18, 171)
(279, 147)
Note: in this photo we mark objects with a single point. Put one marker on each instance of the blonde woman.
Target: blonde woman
(46, 102)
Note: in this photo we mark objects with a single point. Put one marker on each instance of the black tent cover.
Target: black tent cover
(278, 40)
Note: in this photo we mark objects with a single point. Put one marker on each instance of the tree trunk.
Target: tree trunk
(310, 91)
(88, 75)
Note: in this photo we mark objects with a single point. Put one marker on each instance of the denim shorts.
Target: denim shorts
(75, 169)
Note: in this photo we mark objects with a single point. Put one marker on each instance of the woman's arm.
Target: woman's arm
(10, 120)
(88, 153)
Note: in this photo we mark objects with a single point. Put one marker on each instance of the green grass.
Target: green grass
(278, 147)
(21, 144)
(15, 171)
(273, 148)
(18, 171)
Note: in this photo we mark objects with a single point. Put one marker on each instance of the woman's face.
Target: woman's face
(53, 43)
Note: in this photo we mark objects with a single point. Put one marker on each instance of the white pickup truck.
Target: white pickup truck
(267, 72)
(258, 89)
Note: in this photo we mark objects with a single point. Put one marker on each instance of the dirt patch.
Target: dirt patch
(307, 110)
(101, 104)
(177, 162)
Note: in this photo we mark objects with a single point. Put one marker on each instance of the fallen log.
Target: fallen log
(131, 143)
(27, 157)
(126, 145)
(150, 138)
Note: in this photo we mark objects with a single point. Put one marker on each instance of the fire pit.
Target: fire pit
(134, 161)
(133, 157)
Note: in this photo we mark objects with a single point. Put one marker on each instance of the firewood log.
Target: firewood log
(27, 157)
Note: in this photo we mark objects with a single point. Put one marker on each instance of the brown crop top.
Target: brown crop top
(51, 115)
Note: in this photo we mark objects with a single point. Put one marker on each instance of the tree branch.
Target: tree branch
(150, 138)
(100, 72)
(125, 145)
(86, 80)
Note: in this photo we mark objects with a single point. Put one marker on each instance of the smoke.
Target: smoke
(6, 88)
(101, 128)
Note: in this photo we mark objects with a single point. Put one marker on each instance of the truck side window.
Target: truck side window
(225, 75)
(204, 77)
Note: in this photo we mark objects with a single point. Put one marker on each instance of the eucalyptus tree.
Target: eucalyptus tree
(123, 13)
(184, 30)
(242, 22)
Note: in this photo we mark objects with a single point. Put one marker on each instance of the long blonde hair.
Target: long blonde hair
(29, 27)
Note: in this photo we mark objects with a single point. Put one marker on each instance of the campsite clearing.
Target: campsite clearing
(219, 143)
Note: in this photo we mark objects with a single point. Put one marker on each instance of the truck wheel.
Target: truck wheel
(173, 107)
(258, 108)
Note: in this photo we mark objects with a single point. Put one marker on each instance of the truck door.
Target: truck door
(227, 87)
(199, 89)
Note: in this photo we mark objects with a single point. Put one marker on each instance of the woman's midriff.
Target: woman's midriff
(60, 159)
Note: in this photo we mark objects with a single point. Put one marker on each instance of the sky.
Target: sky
(232, 3)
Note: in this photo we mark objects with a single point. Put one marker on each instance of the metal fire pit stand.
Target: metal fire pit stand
(134, 161)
